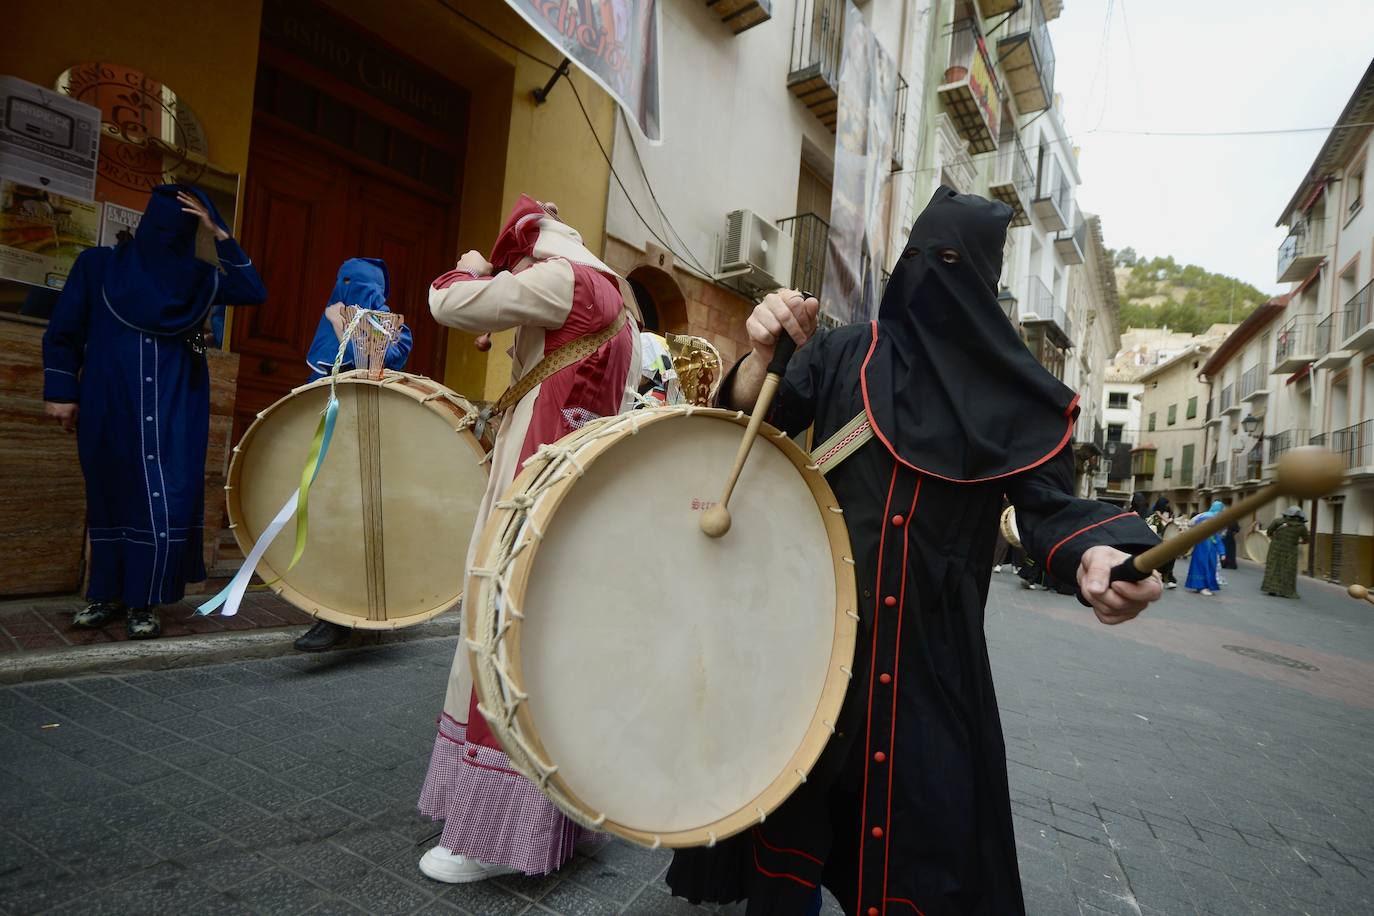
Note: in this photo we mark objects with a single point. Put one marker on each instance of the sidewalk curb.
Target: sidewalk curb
(192, 651)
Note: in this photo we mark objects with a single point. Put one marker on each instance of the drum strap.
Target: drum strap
(844, 443)
(574, 350)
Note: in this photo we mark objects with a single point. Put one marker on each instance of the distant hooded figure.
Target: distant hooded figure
(1140, 503)
(1202, 566)
(908, 808)
(1161, 514)
(365, 283)
(124, 347)
(1281, 565)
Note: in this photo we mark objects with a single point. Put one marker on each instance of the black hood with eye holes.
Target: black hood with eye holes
(949, 387)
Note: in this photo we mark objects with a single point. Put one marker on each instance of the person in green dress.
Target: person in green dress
(1281, 566)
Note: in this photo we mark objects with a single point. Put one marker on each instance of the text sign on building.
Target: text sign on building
(615, 42)
(47, 140)
(984, 88)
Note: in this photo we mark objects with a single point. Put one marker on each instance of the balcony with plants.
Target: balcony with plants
(969, 92)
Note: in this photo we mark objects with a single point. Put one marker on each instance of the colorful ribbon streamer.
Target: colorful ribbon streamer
(231, 596)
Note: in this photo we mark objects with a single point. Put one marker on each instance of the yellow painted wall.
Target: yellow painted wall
(514, 146)
(207, 52)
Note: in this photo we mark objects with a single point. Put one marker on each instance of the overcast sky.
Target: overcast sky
(1204, 65)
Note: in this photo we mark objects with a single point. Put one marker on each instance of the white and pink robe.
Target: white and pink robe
(552, 290)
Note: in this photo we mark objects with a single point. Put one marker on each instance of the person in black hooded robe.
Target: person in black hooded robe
(908, 811)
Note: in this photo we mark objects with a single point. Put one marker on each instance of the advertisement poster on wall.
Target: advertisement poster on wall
(863, 154)
(41, 233)
(615, 42)
(48, 140)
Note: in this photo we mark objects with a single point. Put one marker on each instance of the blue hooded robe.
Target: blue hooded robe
(362, 282)
(1202, 568)
(117, 345)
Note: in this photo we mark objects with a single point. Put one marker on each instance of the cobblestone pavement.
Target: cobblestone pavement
(1214, 757)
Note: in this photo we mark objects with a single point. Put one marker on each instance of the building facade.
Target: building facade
(1305, 373)
(329, 130)
(1168, 459)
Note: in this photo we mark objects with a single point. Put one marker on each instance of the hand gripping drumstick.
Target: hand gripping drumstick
(715, 521)
(1302, 472)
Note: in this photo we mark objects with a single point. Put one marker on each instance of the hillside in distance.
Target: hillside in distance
(1160, 292)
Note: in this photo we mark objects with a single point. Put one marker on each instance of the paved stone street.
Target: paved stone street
(1213, 758)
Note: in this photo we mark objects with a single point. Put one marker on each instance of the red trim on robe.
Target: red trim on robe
(779, 874)
(877, 431)
(758, 835)
(1050, 558)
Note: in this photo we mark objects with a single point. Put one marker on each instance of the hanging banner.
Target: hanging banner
(47, 140)
(863, 156)
(615, 42)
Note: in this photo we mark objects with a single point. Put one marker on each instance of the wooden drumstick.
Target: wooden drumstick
(715, 521)
(1306, 473)
(1359, 591)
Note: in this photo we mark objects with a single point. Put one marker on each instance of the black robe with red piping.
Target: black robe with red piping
(908, 809)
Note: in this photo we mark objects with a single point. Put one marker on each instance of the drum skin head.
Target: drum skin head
(683, 685)
(391, 510)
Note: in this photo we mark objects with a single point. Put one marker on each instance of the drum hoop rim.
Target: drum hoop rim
(418, 388)
(832, 691)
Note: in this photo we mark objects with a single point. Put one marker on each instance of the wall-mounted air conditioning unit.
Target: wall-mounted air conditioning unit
(754, 253)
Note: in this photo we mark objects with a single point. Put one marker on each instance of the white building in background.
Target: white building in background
(747, 125)
(1301, 369)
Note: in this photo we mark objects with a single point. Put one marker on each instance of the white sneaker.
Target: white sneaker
(1206, 591)
(997, 569)
(452, 868)
(1171, 585)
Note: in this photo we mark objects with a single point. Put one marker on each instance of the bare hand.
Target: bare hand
(1114, 602)
(483, 342)
(785, 310)
(64, 413)
(335, 315)
(192, 205)
(475, 263)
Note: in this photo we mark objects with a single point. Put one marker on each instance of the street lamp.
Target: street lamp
(1250, 424)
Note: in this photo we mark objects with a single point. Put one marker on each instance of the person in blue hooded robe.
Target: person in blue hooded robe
(1202, 567)
(361, 282)
(124, 366)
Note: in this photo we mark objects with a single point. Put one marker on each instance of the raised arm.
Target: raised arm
(471, 299)
(786, 310)
(239, 283)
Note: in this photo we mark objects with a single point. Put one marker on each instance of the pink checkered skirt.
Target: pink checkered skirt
(491, 812)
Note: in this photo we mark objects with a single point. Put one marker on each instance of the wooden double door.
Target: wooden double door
(305, 213)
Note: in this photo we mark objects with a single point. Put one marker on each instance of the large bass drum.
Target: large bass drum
(390, 512)
(1257, 546)
(654, 682)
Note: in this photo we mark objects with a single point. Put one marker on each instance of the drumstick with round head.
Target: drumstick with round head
(715, 521)
(1306, 473)
(1359, 592)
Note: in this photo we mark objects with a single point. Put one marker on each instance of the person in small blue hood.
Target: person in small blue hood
(361, 282)
(125, 352)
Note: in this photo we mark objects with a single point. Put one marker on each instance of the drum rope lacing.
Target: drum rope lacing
(519, 532)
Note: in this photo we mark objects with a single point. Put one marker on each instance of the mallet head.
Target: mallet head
(1309, 472)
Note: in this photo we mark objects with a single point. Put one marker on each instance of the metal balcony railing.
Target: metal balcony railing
(1071, 244)
(1301, 251)
(817, 48)
(1041, 308)
(1013, 179)
(1296, 344)
(1353, 444)
(1359, 311)
(969, 89)
(1252, 380)
(899, 124)
(809, 234)
(1283, 441)
(1226, 398)
(1053, 194)
(1318, 440)
(1027, 57)
(1216, 476)
(1328, 332)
